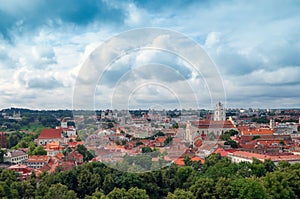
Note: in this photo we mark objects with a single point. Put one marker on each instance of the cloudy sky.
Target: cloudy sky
(44, 46)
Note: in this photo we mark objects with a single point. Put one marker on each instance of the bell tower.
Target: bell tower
(219, 113)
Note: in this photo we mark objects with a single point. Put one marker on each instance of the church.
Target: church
(209, 129)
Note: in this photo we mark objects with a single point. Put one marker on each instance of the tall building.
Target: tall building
(219, 113)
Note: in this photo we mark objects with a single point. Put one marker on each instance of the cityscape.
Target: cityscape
(137, 99)
(38, 142)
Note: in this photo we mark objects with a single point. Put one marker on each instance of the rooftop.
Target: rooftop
(50, 134)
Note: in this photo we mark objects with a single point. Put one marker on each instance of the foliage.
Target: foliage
(232, 143)
(39, 150)
(218, 177)
(87, 155)
(168, 140)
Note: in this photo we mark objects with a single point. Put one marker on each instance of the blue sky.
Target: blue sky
(254, 44)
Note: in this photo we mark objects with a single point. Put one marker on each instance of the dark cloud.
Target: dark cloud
(55, 13)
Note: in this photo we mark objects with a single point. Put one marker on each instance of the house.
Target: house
(255, 131)
(243, 156)
(180, 161)
(15, 156)
(159, 141)
(49, 135)
(22, 170)
(37, 161)
(54, 148)
(77, 157)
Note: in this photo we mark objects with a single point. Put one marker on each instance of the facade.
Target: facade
(37, 161)
(15, 156)
(243, 156)
(49, 135)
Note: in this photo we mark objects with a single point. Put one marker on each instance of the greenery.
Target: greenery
(217, 178)
(87, 155)
(168, 140)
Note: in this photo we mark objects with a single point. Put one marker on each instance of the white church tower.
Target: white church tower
(219, 113)
(188, 136)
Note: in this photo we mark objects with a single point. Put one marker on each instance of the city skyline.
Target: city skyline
(253, 45)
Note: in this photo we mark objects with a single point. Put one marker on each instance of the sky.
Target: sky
(45, 47)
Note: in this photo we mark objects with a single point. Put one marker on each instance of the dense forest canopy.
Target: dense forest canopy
(217, 178)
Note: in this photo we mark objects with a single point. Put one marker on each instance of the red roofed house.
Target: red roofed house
(243, 156)
(37, 161)
(159, 141)
(78, 158)
(50, 135)
(23, 171)
(255, 131)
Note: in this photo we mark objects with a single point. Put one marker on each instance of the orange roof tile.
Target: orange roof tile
(205, 124)
(50, 134)
(38, 158)
(259, 131)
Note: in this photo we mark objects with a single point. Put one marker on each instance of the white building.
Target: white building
(15, 156)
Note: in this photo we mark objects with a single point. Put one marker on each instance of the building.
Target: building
(16, 116)
(219, 112)
(54, 148)
(22, 170)
(243, 156)
(15, 156)
(37, 161)
(49, 135)
(3, 142)
(245, 130)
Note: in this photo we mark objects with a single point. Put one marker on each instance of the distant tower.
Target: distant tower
(272, 123)
(188, 136)
(102, 115)
(219, 113)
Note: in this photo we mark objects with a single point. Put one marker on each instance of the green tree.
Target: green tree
(108, 184)
(97, 195)
(223, 188)
(203, 188)
(187, 160)
(184, 173)
(59, 191)
(168, 140)
(136, 193)
(269, 165)
(247, 188)
(146, 149)
(87, 155)
(277, 186)
(39, 150)
(181, 194)
(117, 193)
(232, 143)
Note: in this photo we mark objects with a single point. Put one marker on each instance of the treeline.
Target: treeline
(32, 119)
(216, 178)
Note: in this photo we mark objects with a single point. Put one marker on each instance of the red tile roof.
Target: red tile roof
(50, 134)
(205, 124)
(262, 157)
(76, 155)
(180, 161)
(160, 139)
(252, 131)
(38, 158)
